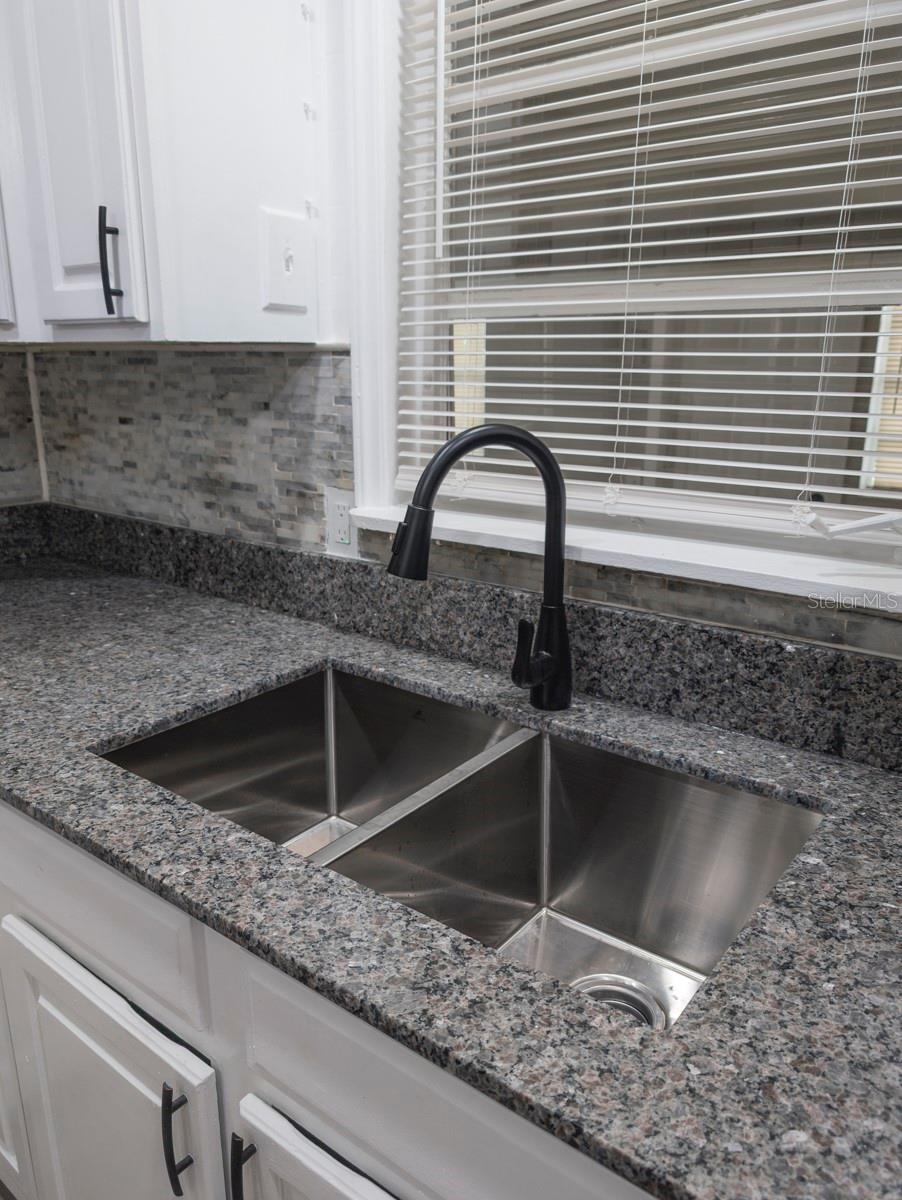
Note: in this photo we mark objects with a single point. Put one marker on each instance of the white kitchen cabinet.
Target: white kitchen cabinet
(7, 308)
(283, 1164)
(80, 153)
(419, 1133)
(93, 1074)
(15, 1161)
(210, 133)
(17, 307)
(91, 1068)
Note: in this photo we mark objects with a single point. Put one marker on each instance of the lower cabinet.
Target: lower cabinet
(114, 1108)
(15, 1162)
(181, 1065)
(275, 1160)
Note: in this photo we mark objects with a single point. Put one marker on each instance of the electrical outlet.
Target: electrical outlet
(341, 533)
(342, 514)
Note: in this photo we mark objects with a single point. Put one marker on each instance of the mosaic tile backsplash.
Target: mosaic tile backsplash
(241, 442)
(19, 474)
(235, 442)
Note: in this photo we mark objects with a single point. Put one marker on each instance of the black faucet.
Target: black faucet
(542, 662)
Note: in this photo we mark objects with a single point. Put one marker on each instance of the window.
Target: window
(885, 427)
(665, 237)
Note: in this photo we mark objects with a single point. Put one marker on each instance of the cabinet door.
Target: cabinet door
(91, 1073)
(74, 91)
(286, 1165)
(15, 1164)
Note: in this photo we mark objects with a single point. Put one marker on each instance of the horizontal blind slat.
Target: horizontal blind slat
(675, 477)
(758, 33)
(670, 165)
(550, 236)
(571, 47)
(653, 100)
(893, 441)
(669, 203)
(623, 455)
(478, 273)
(658, 405)
(694, 121)
(624, 438)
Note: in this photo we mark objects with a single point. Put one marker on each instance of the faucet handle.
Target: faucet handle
(520, 670)
(530, 669)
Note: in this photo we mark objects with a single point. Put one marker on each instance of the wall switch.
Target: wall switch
(288, 249)
(341, 533)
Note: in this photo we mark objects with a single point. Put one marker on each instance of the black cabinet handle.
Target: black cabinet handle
(173, 1168)
(238, 1156)
(103, 232)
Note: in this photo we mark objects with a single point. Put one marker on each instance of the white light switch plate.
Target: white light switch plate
(288, 244)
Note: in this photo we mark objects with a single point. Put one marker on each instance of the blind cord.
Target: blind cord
(611, 492)
(803, 499)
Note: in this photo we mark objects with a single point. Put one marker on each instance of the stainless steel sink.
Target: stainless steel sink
(306, 762)
(626, 881)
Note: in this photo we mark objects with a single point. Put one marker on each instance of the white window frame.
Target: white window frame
(872, 446)
(768, 548)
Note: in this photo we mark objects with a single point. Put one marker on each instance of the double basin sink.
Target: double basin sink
(625, 881)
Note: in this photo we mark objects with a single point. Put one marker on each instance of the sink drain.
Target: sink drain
(624, 994)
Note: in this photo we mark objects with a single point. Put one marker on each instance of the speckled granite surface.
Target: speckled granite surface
(781, 1080)
(23, 532)
(805, 695)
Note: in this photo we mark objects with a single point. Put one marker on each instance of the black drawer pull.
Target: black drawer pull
(237, 1158)
(103, 232)
(173, 1168)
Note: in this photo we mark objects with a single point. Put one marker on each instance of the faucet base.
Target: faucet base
(556, 692)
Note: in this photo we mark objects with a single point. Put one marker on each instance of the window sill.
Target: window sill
(832, 578)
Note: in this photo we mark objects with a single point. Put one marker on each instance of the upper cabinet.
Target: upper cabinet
(176, 171)
(80, 158)
(7, 308)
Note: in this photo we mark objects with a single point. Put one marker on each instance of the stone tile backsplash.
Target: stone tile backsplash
(20, 477)
(241, 442)
(237, 442)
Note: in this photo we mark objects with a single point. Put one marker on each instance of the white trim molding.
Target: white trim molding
(373, 33)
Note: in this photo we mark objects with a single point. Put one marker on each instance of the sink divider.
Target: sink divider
(331, 743)
(356, 837)
(544, 882)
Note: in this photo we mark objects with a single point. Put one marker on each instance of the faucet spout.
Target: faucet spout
(542, 662)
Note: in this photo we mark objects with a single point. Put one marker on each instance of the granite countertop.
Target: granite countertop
(781, 1079)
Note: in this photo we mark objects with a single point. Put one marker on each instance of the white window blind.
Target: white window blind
(881, 470)
(664, 237)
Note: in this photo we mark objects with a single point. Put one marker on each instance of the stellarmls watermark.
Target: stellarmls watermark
(874, 601)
